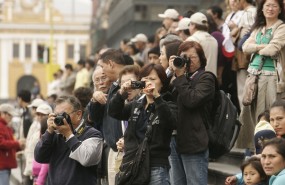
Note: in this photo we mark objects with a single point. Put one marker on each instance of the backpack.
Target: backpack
(224, 128)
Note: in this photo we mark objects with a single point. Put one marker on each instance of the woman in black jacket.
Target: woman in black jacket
(153, 108)
(195, 93)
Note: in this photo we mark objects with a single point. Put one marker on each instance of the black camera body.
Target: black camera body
(180, 61)
(58, 120)
(137, 84)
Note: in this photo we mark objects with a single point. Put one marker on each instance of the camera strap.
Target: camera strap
(80, 129)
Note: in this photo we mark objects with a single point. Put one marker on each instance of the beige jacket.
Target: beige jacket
(275, 49)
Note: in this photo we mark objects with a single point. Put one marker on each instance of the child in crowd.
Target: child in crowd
(253, 173)
(263, 131)
(40, 171)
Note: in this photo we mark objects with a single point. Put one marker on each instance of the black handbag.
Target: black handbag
(137, 171)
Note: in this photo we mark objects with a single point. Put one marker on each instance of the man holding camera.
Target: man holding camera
(71, 148)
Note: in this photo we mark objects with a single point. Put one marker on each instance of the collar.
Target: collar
(192, 75)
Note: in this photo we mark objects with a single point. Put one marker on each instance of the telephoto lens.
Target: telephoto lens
(180, 61)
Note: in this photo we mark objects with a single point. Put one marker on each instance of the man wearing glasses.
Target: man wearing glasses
(72, 148)
(8, 145)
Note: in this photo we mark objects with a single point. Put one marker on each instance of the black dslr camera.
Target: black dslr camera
(180, 61)
(137, 84)
(58, 120)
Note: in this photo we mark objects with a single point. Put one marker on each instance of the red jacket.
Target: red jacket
(8, 147)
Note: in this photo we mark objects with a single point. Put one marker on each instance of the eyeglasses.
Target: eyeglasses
(71, 112)
(193, 57)
(102, 79)
(273, 6)
(67, 113)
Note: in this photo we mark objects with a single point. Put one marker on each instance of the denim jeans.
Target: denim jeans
(196, 167)
(5, 177)
(176, 172)
(159, 176)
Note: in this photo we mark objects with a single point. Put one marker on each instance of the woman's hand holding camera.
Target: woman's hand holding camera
(179, 71)
(125, 86)
(150, 90)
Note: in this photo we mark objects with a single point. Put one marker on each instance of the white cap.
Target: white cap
(199, 18)
(44, 109)
(140, 38)
(5, 107)
(169, 13)
(263, 125)
(183, 24)
(36, 102)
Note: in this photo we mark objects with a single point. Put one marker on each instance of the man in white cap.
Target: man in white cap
(8, 145)
(169, 16)
(198, 29)
(140, 41)
(42, 111)
(34, 105)
(182, 29)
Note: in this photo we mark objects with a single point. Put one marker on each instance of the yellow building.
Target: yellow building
(35, 41)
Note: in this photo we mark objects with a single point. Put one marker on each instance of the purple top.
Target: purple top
(40, 172)
(220, 38)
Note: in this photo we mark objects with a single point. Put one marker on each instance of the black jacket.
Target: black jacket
(112, 129)
(162, 116)
(194, 106)
(64, 170)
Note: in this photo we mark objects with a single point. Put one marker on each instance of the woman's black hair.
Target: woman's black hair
(256, 164)
(279, 144)
(260, 18)
(146, 70)
(264, 114)
(278, 103)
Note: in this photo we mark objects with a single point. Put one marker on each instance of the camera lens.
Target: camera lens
(58, 120)
(179, 62)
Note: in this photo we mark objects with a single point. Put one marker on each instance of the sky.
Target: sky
(70, 7)
(81, 6)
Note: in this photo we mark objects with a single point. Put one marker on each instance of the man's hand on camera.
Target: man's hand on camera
(50, 124)
(64, 129)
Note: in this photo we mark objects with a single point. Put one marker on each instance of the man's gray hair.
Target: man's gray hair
(169, 38)
(72, 100)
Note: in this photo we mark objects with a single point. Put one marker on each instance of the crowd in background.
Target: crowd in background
(105, 107)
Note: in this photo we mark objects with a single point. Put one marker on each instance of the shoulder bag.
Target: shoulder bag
(251, 85)
(137, 171)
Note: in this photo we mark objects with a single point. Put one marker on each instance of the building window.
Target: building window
(16, 50)
(70, 51)
(83, 51)
(140, 12)
(41, 55)
(28, 50)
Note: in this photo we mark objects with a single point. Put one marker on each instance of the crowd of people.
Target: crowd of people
(96, 116)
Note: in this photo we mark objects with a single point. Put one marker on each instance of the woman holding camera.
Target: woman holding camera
(195, 94)
(155, 108)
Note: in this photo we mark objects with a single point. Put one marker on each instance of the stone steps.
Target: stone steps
(225, 166)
